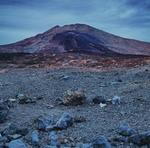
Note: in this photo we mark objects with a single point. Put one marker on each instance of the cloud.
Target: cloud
(28, 17)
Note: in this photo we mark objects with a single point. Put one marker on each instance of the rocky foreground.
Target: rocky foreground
(66, 108)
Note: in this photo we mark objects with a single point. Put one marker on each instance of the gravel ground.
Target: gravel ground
(132, 85)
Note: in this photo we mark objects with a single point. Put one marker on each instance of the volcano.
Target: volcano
(78, 38)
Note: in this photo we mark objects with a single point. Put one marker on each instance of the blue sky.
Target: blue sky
(20, 19)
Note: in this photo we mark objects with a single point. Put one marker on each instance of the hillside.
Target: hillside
(77, 38)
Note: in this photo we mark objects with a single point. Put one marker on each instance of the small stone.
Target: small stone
(45, 123)
(79, 145)
(42, 123)
(126, 130)
(100, 142)
(4, 109)
(16, 144)
(99, 99)
(46, 146)
(102, 105)
(65, 121)
(50, 128)
(59, 101)
(74, 98)
(14, 137)
(12, 100)
(135, 139)
(79, 119)
(35, 138)
(145, 137)
(119, 80)
(86, 146)
(49, 106)
(119, 139)
(9, 103)
(20, 96)
(40, 98)
(54, 139)
(116, 100)
(24, 99)
(65, 77)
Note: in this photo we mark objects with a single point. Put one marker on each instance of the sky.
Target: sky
(20, 19)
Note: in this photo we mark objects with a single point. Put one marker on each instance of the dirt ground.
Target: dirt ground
(131, 84)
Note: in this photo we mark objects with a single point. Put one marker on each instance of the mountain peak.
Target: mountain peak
(78, 38)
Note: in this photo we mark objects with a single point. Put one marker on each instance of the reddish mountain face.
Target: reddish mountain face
(77, 38)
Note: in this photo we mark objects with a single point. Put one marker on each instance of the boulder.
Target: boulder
(116, 100)
(14, 137)
(126, 130)
(74, 98)
(16, 144)
(100, 142)
(45, 124)
(65, 121)
(15, 128)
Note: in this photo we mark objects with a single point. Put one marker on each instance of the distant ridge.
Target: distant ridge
(77, 38)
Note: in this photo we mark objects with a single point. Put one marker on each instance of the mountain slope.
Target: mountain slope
(77, 38)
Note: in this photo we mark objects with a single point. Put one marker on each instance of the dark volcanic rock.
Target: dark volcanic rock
(119, 139)
(79, 119)
(65, 121)
(79, 42)
(15, 129)
(126, 130)
(54, 139)
(16, 144)
(24, 99)
(135, 139)
(142, 138)
(4, 109)
(74, 98)
(14, 136)
(100, 142)
(99, 99)
(35, 138)
(45, 123)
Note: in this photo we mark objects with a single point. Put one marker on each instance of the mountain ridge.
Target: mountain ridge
(77, 38)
